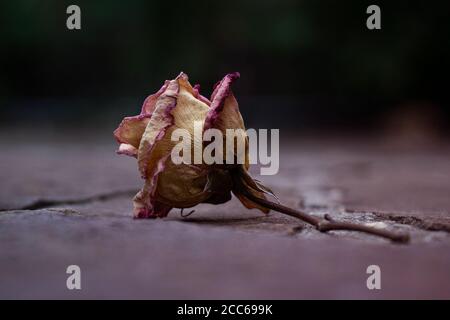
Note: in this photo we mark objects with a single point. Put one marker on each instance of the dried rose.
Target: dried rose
(147, 136)
(178, 105)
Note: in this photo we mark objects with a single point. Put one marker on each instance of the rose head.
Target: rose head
(147, 137)
(176, 107)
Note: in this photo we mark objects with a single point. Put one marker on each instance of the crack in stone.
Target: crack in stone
(407, 220)
(295, 230)
(65, 211)
(48, 203)
(417, 222)
(245, 222)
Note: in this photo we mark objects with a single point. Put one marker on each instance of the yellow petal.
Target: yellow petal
(182, 186)
(177, 185)
(131, 129)
(145, 203)
(224, 114)
(243, 181)
(176, 108)
(127, 149)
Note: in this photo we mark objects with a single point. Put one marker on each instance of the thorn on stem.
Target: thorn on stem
(187, 214)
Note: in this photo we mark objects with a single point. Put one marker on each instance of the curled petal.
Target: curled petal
(177, 108)
(182, 186)
(243, 181)
(221, 93)
(150, 102)
(199, 96)
(224, 114)
(155, 131)
(127, 149)
(131, 129)
(145, 203)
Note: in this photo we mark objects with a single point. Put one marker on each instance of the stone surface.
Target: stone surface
(70, 203)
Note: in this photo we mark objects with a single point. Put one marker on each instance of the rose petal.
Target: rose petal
(131, 129)
(127, 149)
(221, 93)
(155, 131)
(224, 114)
(199, 96)
(178, 185)
(176, 108)
(182, 186)
(243, 181)
(150, 102)
(145, 203)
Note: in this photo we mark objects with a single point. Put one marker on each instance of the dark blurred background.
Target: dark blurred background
(305, 65)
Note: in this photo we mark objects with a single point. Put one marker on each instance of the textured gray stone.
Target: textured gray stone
(224, 251)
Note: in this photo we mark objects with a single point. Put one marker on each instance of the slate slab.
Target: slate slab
(70, 203)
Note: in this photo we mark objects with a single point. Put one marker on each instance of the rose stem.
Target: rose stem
(326, 224)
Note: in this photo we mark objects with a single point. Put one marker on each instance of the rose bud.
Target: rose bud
(178, 105)
(147, 136)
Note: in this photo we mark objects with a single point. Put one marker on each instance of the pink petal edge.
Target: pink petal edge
(221, 91)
